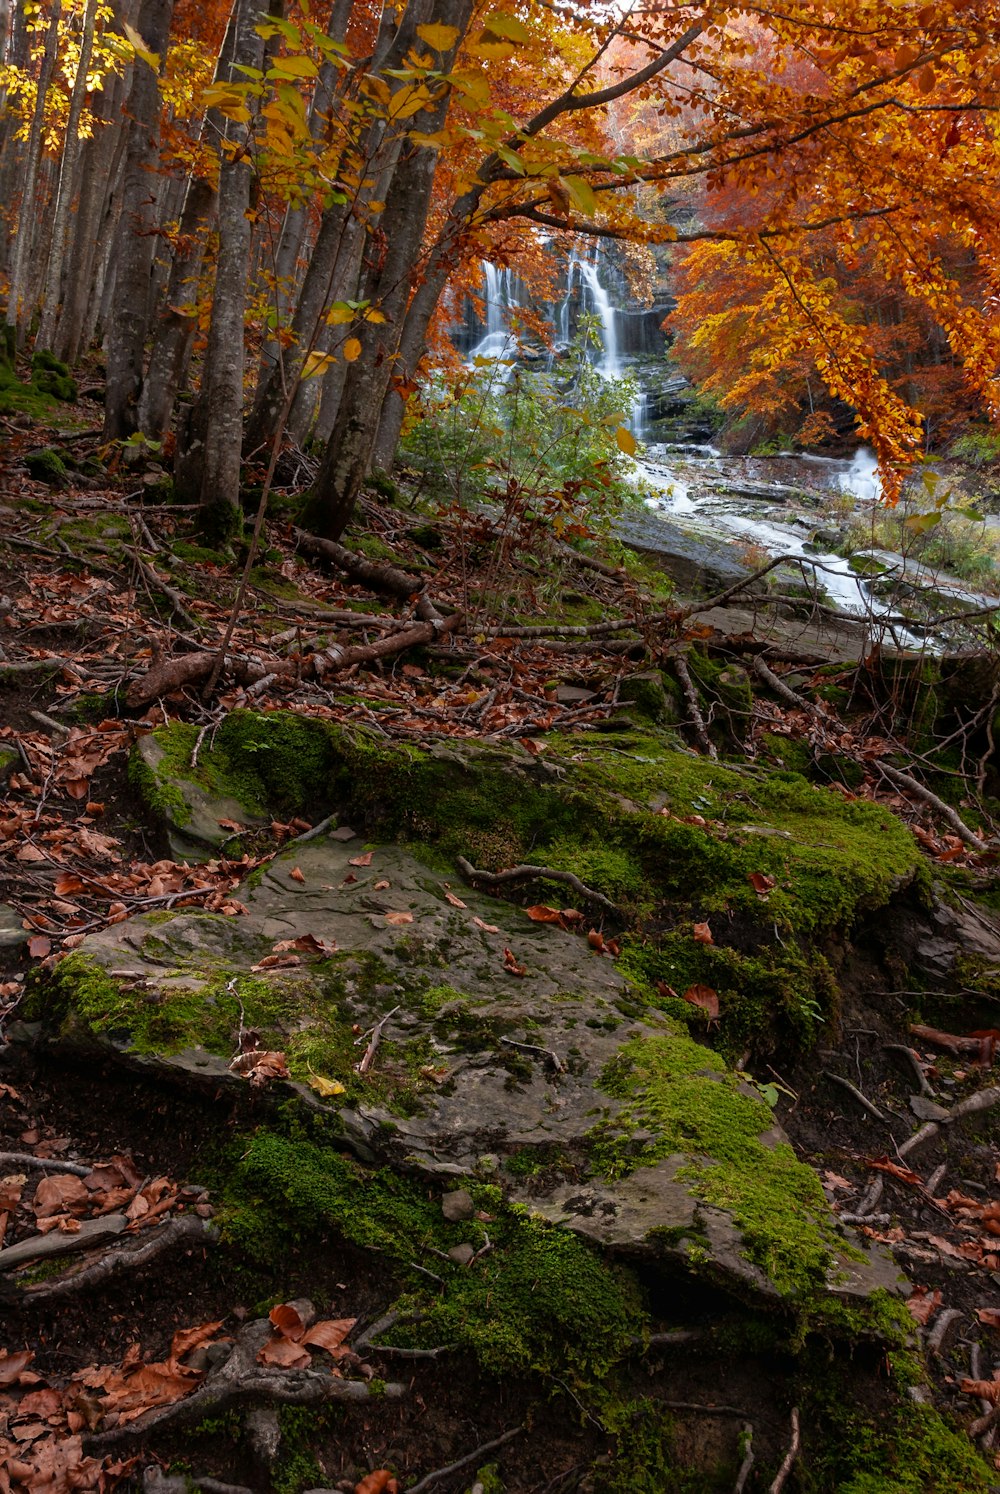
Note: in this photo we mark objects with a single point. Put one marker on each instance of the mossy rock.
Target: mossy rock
(51, 377)
(665, 1153)
(46, 465)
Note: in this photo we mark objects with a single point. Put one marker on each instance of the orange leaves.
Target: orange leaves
(510, 963)
(293, 1338)
(705, 999)
(922, 1304)
(702, 933)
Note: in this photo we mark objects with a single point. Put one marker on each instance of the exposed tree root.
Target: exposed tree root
(241, 1381)
(550, 874)
(430, 1479)
(910, 785)
(788, 1464)
(132, 1255)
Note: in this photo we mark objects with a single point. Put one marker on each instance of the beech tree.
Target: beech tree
(263, 238)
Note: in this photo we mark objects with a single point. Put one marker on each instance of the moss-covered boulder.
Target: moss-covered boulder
(499, 1038)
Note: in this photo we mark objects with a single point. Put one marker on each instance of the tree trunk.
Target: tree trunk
(171, 353)
(133, 252)
(18, 307)
(218, 418)
(393, 259)
(67, 184)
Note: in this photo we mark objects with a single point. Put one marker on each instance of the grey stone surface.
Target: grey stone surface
(11, 932)
(457, 1205)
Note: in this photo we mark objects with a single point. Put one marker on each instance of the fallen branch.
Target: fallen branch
(158, 584)
(910, 785)
(784, 692)
(336, 658)
(983, 1099)
(746, 1439)
(133, 1255)
(569, 630)
(790, 1456)
(852, 1089)
(438, 1474)
(694, 708)
(914, 1061)
(550, 874)
(31, 1163)
(241, 1381)
(384, 578)
(373, 1041)
(945, 1322)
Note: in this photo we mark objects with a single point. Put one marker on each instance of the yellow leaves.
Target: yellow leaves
(140, 49)
(408, 101)
(317, 363)
(439, 38)
(582, 194)
(229, 99)
(626, 441)
(352, 350)
(299, 66)
(509, 27)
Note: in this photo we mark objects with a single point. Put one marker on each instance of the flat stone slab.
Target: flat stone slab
(501, 1029)
(198, 822)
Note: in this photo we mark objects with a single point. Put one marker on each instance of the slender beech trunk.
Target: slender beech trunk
(335, 263)
(68, 184)
(19, 308)
(347, 458)
(100, 166)
(133, 249)
(218, 417)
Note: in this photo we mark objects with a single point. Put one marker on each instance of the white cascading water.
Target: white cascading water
(502, 294)
(597, 302)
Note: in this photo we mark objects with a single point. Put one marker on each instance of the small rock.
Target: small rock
(927, 1110)
(11, 932)
(461, 1254)
(343, 832)
(458, 1205)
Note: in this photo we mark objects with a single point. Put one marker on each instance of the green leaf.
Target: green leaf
(920, 523)
(497, 24)
(582, 194)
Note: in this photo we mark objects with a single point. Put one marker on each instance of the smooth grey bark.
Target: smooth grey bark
(218, 418)
(18, 303)
(334, 266)
(294, 228)
(133, 248)
(101, 160)
(348, 454)
(68, 185)
(171, 354)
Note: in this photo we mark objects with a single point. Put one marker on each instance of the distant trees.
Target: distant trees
(256, 211)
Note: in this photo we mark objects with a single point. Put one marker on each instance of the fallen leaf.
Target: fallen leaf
(510, 964)
(761, 883)
(287, 1320)
(542, 914)
(277, 962)
(285, 1353)
(399, 918)
(989, 1315)
(704, 998)
(923, 1304)
(491, 928)
(296, 875)
(381, 1481)
(11, 1365)
(986, 1390)
(904, 1174)
(381, 886)
(307, 943)
(456, 902)
(664, 990)
(330, 1335)
(364, 860)
(39, 946)
(325, 1087)
(702, 933)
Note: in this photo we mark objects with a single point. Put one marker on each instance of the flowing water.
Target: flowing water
(762, 506)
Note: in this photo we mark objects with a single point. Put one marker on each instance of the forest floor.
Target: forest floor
(434, 625)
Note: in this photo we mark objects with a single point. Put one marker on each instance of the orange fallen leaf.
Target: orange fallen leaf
(456, 902)
(702, 933)
(399, 918)
(363, 860)
(381, 1481)
(923, 1304)
(510, 964)
(704, 998)
(542, 914)
(491, 928)
(989, 1315)
(296, 875)
(287, 1320)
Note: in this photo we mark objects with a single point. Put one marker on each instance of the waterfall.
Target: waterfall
(597, 302)
(503, 294)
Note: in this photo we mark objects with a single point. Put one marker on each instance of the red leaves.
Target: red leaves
(762, 884)
(297, 874)
(11, 1365)
(542, 914)
(609, 947)
(702, 933)
(896, 1170)
(381, 1481)
(363, 860)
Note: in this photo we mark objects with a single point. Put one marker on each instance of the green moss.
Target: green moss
(46, 465)
(51, 377)
(160, 796)
(539, 1300)
(681, 1092)
(646, 1457)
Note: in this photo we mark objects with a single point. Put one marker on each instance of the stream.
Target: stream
(713, 517)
